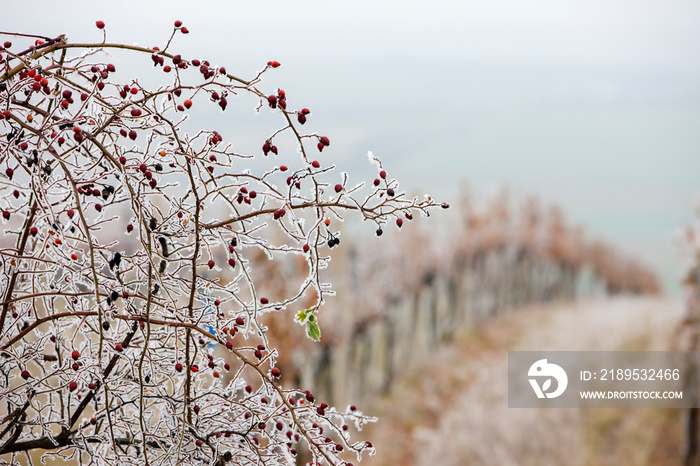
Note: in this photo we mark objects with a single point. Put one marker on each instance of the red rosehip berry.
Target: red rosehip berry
(399, 222)
(118, 347)
(91, 386)
(70, 213)
(211, 263)
(6, 214)
(33, 231)
(229, 345)
(100, 24)
(338, 188)
(73, 386)
(275, 372)
(93, 421)
(25, 374)
(382, 174)
(232, 262)
(305, 248)
(187, 103)
(195, 368)
(315, 164)
(283, 168)
(129, 228)
(325, 141)
(178, 23)
(74, 256)
(184, 30)
(240, 321)
(9, 172)
(178, 367)
(264, 300)
(75, 354)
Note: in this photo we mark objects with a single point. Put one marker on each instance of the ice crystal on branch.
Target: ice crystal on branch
(131, 324)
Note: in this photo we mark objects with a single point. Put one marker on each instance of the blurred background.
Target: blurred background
(590, 106)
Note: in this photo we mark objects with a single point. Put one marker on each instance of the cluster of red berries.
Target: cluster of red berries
(38, 82)
(280, 99)
(258, 351)
(214, 139)
(126, 90)
(99, 75)
(323, 141)
(245, 196)
(131, 134)
(220, 98)
(206, 70)
(301, 115)
(268, 147)
(152, 182)
(183, 29)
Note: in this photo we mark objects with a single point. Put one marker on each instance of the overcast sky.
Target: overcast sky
(594, 105)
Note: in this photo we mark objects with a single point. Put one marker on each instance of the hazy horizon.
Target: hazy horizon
(593, 106)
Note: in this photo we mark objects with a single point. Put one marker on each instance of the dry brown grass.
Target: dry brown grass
(455, 410)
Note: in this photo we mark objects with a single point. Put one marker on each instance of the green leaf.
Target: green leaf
(307, 317)
(312, 330)
(303, 315)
